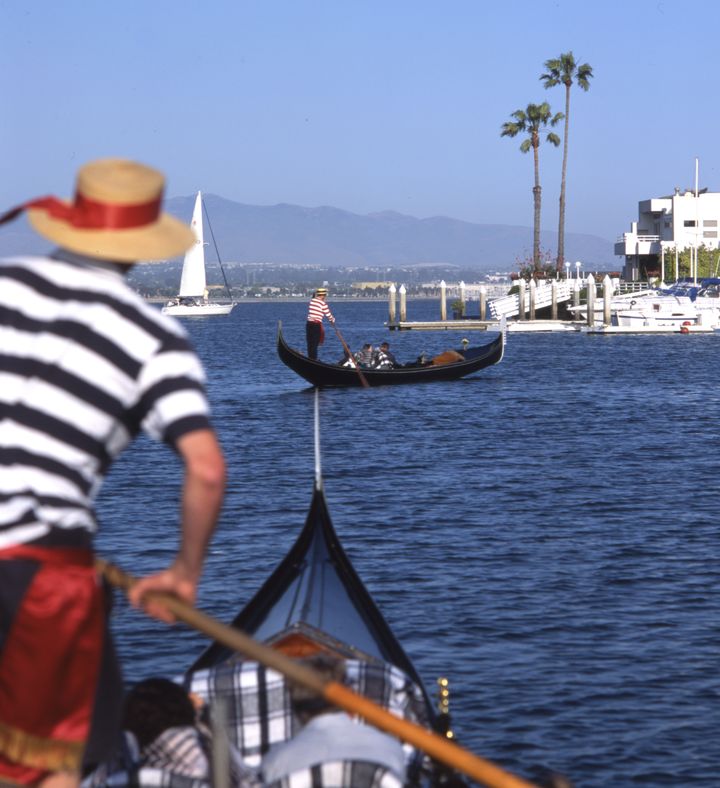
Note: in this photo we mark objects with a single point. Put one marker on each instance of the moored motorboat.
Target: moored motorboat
(670, 308)
(321, 374)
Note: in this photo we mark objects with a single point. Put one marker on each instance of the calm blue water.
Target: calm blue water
(544, 534)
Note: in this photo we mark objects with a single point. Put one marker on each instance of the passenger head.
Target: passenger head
(153, 706)
(306, 703)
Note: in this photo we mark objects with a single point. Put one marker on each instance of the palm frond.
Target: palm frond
(584, 75)
(553, 138)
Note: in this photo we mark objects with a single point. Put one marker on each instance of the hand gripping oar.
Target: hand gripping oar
(354, 363)
(438, 747)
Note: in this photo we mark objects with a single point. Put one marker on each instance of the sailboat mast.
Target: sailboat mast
(217, 252)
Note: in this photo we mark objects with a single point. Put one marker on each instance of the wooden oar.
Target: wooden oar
(353, 363)
(438, 747)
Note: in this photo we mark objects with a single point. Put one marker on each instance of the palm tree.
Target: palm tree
(533, 120)
(563, 70)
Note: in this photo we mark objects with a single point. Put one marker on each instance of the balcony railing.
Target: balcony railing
(625, 237)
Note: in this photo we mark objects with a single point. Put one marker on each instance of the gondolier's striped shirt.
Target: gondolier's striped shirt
(85, 364)
(317, 309)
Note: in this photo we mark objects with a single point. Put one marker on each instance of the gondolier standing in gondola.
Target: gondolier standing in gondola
(85, 364)
(314, 330)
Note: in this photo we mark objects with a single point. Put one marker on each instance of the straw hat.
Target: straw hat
(115, 215)
(321, 291)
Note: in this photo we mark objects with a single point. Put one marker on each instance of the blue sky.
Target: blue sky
(363, 105)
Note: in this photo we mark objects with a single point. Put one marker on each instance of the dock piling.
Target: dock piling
(576, 294)
(532, 291)
(590, 285)
(443, 304)
(392, 292)
(607, 298)
(403, 303)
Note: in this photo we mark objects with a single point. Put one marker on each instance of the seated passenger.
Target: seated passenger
(329, 735)
(385, 348)
(366, 357)
(162, 718)
(384, 359)
(347, 360)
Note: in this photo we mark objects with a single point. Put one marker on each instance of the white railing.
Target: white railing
(509, 305)
(636, 238)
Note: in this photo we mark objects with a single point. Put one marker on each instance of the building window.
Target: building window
(689, 223)
(710, 222)
(710, 234)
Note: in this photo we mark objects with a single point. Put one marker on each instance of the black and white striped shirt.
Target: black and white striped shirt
(85, 364)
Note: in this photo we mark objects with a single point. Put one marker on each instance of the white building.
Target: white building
(667, 224)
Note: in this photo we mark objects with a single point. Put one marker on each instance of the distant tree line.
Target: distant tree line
(162, 279)
(533, 121)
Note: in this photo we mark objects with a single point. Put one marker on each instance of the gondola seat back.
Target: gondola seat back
(448, 357)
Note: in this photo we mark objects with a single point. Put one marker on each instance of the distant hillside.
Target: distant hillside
(329, 237)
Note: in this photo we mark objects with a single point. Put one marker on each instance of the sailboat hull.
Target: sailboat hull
(197, 310)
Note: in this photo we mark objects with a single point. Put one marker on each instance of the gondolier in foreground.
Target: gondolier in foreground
(314, 330)
(85, 364)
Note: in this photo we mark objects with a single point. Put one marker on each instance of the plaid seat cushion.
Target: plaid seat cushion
(257, 701)
(181, 750)
(340, 774)
(149, 778)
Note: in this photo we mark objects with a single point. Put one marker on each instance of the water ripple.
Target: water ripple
(544, 534)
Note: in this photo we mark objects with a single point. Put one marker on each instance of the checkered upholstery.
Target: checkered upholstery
(258, 712)
(340, 774)
(258, 708)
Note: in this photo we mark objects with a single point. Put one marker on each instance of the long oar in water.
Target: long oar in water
(353, 363)
(438, 747)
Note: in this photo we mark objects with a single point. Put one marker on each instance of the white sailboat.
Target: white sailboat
(192, 300)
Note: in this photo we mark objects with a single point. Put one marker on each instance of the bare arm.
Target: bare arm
(202, 495)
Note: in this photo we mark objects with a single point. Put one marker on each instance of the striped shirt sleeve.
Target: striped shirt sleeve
(172, 393)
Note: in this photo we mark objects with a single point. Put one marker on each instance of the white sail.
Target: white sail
(193, 299)
(192, 283)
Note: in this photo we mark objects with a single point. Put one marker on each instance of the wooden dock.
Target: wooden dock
(443, 325)
(470, 324)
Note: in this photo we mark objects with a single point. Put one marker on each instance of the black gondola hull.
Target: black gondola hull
(321, 374)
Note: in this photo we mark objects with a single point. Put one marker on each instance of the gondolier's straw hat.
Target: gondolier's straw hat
(115, 215)
(321, 291)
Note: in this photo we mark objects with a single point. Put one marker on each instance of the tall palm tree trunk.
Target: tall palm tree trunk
(537, 189)
(561, 220)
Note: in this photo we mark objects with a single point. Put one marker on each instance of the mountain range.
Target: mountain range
(329, 237)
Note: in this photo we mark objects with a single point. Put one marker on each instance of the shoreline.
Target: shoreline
(296, 300)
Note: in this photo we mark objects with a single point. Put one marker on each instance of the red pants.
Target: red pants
(49, 659)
